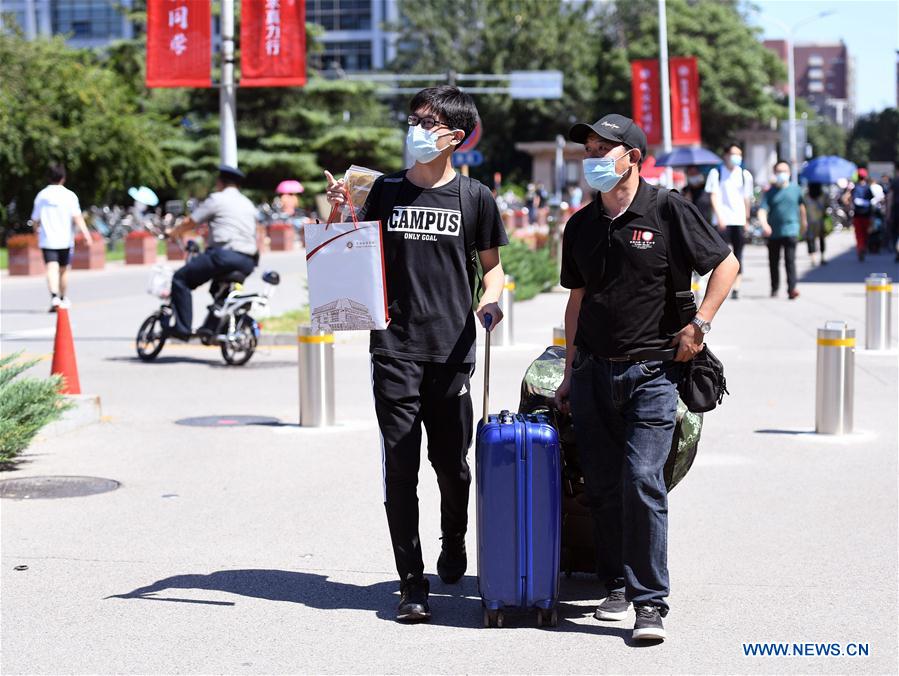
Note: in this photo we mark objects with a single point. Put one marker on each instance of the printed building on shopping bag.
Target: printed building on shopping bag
(343, 314)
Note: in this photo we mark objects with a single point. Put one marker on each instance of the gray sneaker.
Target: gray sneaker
(648, 626)
(613, 607)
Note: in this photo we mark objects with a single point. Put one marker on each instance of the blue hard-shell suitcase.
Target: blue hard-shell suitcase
(519, 507)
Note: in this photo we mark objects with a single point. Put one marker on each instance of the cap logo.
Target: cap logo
(611, 125)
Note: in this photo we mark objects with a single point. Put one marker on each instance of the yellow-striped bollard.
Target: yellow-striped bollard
(559, 336)
(316, 377)
(503, 334)
(878, 312)
(835, 381)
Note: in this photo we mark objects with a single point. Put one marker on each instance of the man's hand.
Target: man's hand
(688, 342)
(766, 230)
(492, 309)
(336, 192)
(562, 392)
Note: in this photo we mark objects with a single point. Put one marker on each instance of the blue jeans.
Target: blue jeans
(624, 416)
(213, 262)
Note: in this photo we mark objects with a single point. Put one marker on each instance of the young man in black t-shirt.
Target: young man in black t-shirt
(436, 226)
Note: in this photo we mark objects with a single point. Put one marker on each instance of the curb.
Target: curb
(86, 411)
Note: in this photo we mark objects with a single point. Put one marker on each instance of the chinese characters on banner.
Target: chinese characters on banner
(272, 43)
(645, 97)
(684, 78)
(178, 43)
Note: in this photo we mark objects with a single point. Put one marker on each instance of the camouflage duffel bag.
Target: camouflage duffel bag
(538, 390)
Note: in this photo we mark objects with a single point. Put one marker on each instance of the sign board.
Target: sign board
(535, 84)
(472, 158)
(472, 139)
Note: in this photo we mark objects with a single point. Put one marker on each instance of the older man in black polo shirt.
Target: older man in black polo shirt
(628, 334)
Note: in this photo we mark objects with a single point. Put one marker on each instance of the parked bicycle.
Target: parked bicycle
(229, 323)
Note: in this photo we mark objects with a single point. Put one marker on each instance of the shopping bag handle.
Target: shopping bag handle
(332, 217)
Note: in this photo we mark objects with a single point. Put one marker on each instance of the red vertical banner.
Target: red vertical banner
(684, 78)
(645, 96)
(178, 43)
(272, 43)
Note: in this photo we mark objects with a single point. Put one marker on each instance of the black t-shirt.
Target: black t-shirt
(430, 278)
(623, 265)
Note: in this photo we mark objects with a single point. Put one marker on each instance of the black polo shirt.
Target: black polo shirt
(623, 265)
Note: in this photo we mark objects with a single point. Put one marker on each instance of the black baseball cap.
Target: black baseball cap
(228, 172)
(613, 127)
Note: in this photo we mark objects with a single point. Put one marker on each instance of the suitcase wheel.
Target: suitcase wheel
(493, 618)
(547, 618)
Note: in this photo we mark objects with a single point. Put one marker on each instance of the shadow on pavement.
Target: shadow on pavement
(214, 361)
(846, 268)
(454, 606)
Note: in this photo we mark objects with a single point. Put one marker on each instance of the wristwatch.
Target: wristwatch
(703, 325)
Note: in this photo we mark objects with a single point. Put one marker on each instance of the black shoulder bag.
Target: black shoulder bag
(703, 384)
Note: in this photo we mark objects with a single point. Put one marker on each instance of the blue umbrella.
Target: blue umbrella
(828, 169)
(684, 157)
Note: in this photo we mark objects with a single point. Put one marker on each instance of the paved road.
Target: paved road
(264, 549)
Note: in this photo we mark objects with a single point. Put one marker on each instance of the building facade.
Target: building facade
(357, 38)
(86, 23)
(824, 78)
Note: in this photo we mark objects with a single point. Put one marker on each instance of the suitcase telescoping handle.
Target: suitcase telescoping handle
(488, 321)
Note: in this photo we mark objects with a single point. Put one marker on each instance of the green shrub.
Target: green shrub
(534, 271)
(26, 405)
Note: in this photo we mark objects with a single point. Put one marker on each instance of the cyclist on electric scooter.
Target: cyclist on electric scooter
(231, 248)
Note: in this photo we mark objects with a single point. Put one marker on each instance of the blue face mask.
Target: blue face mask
(422, 144)
(599, 172)
(782, 178)
(736, 160)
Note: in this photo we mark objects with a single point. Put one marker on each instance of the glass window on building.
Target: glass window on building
(340, 15)
(87, 18)
(351, 56)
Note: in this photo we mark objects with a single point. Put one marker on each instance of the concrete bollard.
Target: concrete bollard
(878, 312)
(316, 377)
(504, 332)
(835, 381)
(559, 336)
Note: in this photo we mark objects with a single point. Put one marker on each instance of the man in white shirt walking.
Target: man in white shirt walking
(56, 212)
(730, 187)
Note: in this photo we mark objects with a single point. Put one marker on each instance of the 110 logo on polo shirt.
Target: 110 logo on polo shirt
(642, 239)
(425, 223)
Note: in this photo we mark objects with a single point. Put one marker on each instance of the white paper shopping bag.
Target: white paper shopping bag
(347, 284)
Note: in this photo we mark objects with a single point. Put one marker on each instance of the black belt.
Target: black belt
(646, 355)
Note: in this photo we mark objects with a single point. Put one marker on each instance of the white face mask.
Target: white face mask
(782, 178)
(422, 144)
(736, 160)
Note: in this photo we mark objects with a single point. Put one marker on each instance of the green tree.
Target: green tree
(875, 138)
(58, 104)
(499, 36)
(736, 71)
(826, 138)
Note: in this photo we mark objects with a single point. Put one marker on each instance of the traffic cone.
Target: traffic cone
(64, 355)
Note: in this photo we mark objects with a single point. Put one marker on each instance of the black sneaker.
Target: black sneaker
(613, 607)
(648, 626)
(452, 562)
(734, 294)
(414, 601)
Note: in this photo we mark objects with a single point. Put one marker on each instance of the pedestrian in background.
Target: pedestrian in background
(783, 218)
(697, 193)
(816, 210)
(730, 186)
(55, 214)
(860, 203)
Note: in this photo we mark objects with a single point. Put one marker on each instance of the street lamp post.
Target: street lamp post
(790, 32)
(666, 87)
(227, 97)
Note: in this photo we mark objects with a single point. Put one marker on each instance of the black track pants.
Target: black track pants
(407, 394)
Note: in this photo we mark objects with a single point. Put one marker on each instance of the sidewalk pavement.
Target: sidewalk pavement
(264, 548)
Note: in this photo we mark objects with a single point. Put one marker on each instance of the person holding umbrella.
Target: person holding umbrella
(288, 195)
